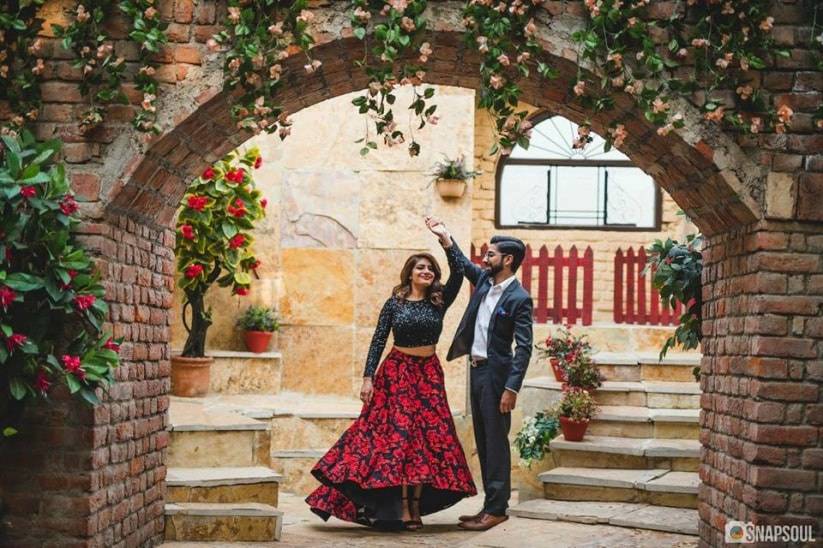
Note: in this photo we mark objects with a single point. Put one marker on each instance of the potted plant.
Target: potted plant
(450, 176)
(581, 372)
(213, 246)
(574, 412)
(259, 324)
(563, 348)
(532, 441)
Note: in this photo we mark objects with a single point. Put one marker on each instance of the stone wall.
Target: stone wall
(337, 232)
(604, 243)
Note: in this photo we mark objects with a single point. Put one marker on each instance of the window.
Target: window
(552, 185)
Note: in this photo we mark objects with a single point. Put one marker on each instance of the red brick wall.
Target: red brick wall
(97, 477)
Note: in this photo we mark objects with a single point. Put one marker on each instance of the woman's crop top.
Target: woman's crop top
(414, 323)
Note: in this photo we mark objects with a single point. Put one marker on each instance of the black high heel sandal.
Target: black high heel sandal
(418, 523)
(411, 524)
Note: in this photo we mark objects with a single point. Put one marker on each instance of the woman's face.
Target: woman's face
(422, 273)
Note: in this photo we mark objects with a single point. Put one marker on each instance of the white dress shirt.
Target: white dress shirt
(484, 315)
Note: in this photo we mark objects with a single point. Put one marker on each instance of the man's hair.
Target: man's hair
(509, 245)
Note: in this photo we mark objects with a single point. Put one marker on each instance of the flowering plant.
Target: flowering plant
(564, 345)
(677, 269)
(581, 372)
(532, 442)
(259, 318)
(576, 404)
(213, 244)
(453, 169)
(51, 300)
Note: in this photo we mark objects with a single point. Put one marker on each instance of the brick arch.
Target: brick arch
(684, 164)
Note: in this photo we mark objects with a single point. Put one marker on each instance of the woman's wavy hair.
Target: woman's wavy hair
(435, 291)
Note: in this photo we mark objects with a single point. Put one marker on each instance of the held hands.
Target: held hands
(366, 391)
(507, 401)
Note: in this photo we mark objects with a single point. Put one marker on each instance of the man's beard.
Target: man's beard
(494, 270)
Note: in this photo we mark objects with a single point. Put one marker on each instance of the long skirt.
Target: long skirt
(404, 436)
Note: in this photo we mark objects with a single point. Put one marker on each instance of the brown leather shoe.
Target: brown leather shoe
(472, 517)
(483, 523)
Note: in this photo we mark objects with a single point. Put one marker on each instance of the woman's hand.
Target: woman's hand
(438, 229)
(367, 390)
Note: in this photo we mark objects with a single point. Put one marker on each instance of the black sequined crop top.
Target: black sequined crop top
(414, 323)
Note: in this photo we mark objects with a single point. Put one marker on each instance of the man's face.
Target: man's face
(493, 260)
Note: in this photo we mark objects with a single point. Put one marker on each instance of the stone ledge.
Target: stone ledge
(600, 477)
(210, 477)
(625, 514)
(648, 387)
(648, 447)
(627, 413)
(254, 509)
(238, 354)
(190, 415)
(674, 482)
(299, 454)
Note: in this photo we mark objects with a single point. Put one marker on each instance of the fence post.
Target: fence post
(617, 311)
(571, 310)
(588, 283)
(558, 285)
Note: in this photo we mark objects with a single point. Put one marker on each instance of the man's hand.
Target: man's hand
(439, 229)
(366, 391)
(508, 401)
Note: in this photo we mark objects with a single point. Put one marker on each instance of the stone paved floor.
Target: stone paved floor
(303, 529)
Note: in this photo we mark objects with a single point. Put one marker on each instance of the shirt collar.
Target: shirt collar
(504, 284)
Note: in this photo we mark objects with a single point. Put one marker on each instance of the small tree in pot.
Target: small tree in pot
(563, 348)
(213, 246)
(574, 411)
(259, 324)
(451, 176)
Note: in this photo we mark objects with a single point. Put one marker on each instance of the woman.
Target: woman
(401, 458)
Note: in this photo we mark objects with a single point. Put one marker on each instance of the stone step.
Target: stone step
(655, 394)
(295, 466)
(245, 372)
(643, 422)
(624, 514)
(223, 485)
(646, 366)
(657, 486)
(611, 337)
(633, 453)
(206, 437)
(233, 522)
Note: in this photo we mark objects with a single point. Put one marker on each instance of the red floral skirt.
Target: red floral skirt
(404, 436)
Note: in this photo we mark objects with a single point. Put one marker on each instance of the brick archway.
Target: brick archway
(763, 283)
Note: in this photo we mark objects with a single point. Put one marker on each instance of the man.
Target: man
(499, 314)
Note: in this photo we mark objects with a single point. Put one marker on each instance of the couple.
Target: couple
(401, 459)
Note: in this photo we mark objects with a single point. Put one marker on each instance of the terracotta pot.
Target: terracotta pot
(451, 188)
(573, 430)
(557, 369)
(190, 376)
(258, 341)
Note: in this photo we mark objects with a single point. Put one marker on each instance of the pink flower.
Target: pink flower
(28, 191)
(496, 81)
(197, 203)
(785, 114)
(187, 231)
(84, 302)
(767, 24)
(237, 241)
(503, 59)
(71, 363)
(580, 88)
(7, 296)
(111, 345)
(691, 303)
(68, 205)
(716, 115)
(193, 271)
(16, 340)
(42, 382)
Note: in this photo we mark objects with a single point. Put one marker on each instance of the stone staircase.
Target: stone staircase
(219, 484)
(637, 465)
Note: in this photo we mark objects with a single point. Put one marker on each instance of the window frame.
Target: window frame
(504, 161)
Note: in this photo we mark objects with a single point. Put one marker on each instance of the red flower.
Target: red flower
(255, 265)
(236, 175)
(71, 363)
(111, 345)
(68, 205)
(84, 302)
(242, 291)
(263, 203)
(238, 209)
(72, 275)
(42, 383)
(197, 203)
(691, 303)
(237, 241)
(7, 296)
(208, 174)
(187, 231)
(9, 254)
(258, 162)
(668, 260)
(28, 191)
(193, 271)
(15, 341)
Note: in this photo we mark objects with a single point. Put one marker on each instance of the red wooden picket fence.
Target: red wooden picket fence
(635, 300)
(565, 272)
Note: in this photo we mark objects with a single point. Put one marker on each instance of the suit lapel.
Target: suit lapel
(502, 301)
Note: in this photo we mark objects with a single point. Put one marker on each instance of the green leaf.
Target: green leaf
(74, 384)
(360, 32)
(17, 388)
(90, 396)
(20, 281)
(8, 432)
(229, 230)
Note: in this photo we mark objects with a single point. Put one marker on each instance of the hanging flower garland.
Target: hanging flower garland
(21, 62)
(102, 70)
(504, 33)
(397, 29)
(260, 34)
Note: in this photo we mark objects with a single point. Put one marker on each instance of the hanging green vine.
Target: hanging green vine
(260, 34)
(102, 70)
(397, 28)
(504, 32)
(21, 63)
